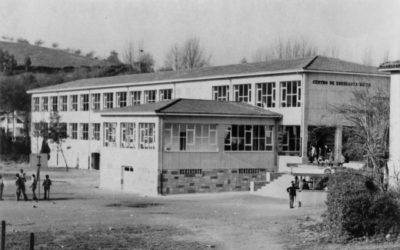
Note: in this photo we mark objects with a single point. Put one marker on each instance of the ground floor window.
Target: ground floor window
(190, 137)
(128, 135)
(249, 138)
(73, 127)
(110, 129)
(96, 131)
(289, 140)
(147, 136)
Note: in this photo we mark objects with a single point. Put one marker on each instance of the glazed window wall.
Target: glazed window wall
(249, 138)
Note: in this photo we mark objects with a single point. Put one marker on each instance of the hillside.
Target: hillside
(47, 57)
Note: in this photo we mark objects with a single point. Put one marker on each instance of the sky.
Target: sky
(229, 30)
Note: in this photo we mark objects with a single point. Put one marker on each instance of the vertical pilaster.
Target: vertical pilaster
(304, 119)
(338, 142)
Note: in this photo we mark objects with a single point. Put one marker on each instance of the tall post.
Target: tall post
(394, 135)
(32, 242)
(3, 235)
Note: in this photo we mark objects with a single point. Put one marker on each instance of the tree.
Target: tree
(90, 54)
(22, 40)
(368, 115)
(188, 56)
(128, 55)
(7, 62)
(145, 63)
(54, 45)
(27, 63)
(39, 42)
(58, 133)
(113, 58)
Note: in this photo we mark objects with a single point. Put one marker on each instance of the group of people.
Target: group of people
(292, 190)
(322, 155)
(20, 182)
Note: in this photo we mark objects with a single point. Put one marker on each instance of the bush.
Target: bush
(356, 207)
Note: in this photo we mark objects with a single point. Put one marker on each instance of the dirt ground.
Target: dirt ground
(82, 216)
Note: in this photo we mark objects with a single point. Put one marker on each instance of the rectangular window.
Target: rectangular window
(242, 93)
(289, 140)
(249, 138)
(121, 99)
(109, 138)
(95, 131)
(63, 130)
(128, 135)
(36, 104)
(291, 94)
(45, 103)
(165, 94)
(190, 137)
(63, 103)
(84, 102)
(96, 101)
(221, 93)
(266, 95)
(54, 103)
(135, 98)
(150, 96)
(147, 136)
(84, 131)
(108, 100)
(73, 102)
(73, 127)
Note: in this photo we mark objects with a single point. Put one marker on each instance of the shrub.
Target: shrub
(356, 207)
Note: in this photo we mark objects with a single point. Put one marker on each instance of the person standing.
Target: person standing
(22, 175)
(46, 187)
(300, 196)
(292, 194)
(1, 187)
(33, 187)
(20, 187)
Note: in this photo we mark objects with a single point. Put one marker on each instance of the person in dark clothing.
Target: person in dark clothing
(33, 187)
(46, 187)
(305, 185)
(20, 183)
(292, 194)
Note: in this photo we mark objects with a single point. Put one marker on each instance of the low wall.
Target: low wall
(215, 180)
(312, 198)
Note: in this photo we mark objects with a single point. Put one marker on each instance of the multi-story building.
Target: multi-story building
(304, 91)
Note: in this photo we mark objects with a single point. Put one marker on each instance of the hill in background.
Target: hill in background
(42, 57)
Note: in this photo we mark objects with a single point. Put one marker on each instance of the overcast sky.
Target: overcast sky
(228, 29)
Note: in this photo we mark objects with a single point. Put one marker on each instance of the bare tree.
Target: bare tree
(128, 55)
(188, 56)
(137, 59)
(385, 57)
(368, 114)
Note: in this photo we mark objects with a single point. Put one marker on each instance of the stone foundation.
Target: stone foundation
(206, 181)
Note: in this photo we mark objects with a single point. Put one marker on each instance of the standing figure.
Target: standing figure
(313, 153)
(292, 194)
(46, 187)
(1, 187)
(19, 182)
(22, 175)
(33, 187)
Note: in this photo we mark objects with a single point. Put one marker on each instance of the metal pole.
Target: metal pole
(3, 235)
(32, 242)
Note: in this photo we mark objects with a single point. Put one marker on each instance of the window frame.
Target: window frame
(84, 102)
(290, 94)
(135, 97)
(165, 92)
(108, 100)
(219, 91)
(96, 104)
(239, 94)
(150, 93)
(266, 91)
(122, 102)
(147, 135)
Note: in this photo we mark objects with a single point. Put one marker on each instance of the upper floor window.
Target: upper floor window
(108, 100)
(74, 102)
(109, 139)
(147, 136)
(135, 97)
(190, 137)
(121, 99)
(54, 103)
(242, 92)
(45, 103)
(128, 135)
(291, 94)
(96, 101)
(84, 131)
(63, 103)
(36, 103)
(266, 95)
(165, 94)
(95, 131)
(249, 138)
(221, 93)
(85, 102)
(150, 96)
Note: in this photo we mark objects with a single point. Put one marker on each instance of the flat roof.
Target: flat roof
(307, 64)
(195, 107)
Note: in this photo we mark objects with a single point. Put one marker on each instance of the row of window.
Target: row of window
(85, 102)
(265, 93)
(128, 135)
(75, 131)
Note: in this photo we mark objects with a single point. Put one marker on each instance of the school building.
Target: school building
(207, 129)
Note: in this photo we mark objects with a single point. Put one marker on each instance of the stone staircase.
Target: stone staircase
(277, 187)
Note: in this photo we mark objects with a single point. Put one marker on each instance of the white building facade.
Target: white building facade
(303, 91)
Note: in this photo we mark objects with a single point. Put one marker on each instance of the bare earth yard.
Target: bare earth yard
(82, 216)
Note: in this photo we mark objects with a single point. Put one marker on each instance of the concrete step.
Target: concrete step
(276, 188)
